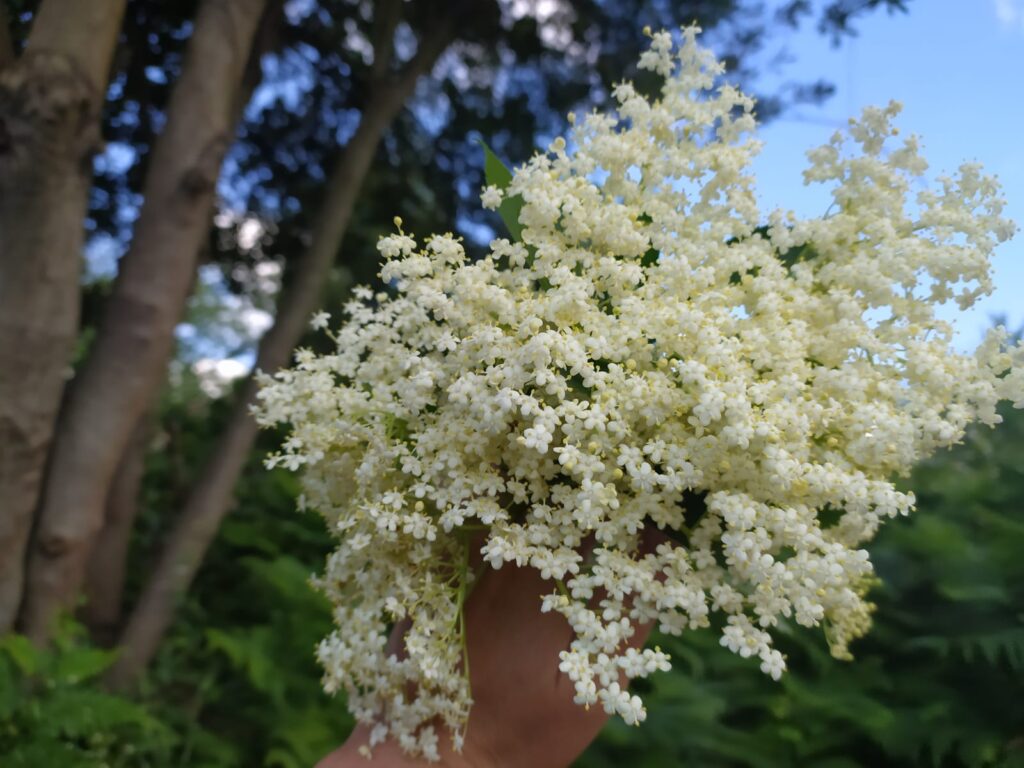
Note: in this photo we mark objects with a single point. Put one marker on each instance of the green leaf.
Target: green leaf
(244, 534)
(301, 737)
(9, 689)
(48, 752)
(650, 258)
(497, 174)
(22, 653)
(79, 664)
(79, 712)
(793, 256)
(251, 651)
(495, 171)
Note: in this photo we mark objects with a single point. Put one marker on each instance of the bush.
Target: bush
(936, 682)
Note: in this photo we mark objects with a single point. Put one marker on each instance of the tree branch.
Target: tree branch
(84, 32)
(385, 22)
(50, 102)
(266, 39)
(433, 42)
(211, 498)
(7, 56)
(105, 576)
(128, 360)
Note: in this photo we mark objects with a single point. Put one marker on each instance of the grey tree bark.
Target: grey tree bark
(108, 560)
(7, 55)
(50, 101)
(127, 363)
(211, 497)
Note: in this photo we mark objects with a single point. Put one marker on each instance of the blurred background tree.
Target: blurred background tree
(222, 168)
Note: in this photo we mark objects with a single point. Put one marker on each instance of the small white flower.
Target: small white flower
(319, 321)
(491, 197)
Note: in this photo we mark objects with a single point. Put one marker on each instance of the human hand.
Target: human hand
(523, 713)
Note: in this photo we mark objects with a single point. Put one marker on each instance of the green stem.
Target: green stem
(562, 588)
(463, 591)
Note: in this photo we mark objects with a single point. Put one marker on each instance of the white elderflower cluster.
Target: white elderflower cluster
(651, 354)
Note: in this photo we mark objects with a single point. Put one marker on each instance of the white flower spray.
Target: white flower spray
(649, 353)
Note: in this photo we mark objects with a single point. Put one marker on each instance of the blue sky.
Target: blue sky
(958, 68)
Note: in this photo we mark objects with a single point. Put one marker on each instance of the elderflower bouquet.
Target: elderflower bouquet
(647, 351)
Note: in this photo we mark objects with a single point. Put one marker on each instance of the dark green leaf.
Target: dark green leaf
(496, 173)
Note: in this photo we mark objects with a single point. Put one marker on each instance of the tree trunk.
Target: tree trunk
(7, 55)
(50, 101)
(108, 561)
(211, 497)
(127, 363)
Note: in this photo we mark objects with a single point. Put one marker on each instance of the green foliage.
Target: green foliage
(53, 713)
(497, 174)
(236, 684)
(238, 670)
(937, 682)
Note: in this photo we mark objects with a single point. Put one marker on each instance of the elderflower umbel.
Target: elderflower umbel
(653, 353)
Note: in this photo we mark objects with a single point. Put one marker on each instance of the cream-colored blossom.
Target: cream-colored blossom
(491, 197)
(655, 353)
